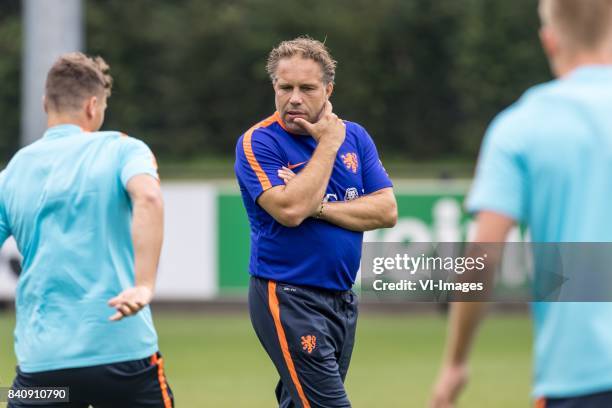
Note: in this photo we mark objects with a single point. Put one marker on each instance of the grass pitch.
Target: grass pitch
(216, 361)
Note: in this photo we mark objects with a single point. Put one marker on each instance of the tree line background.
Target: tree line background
(424, 77)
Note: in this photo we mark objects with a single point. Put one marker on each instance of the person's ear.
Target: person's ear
(329, 89)
(550, 42)
(91, 106)
(45, 106)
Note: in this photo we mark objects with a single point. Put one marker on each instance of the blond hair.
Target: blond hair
(75, 77)
(307, 48)
(583, 24)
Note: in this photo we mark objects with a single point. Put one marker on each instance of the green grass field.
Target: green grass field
(216, 361)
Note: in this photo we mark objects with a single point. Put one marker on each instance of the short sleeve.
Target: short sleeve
(375, 176)
(501, 178)
(5, 230)
(136, 158)
(258, 160)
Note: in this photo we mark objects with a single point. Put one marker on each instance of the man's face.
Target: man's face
(300, 91)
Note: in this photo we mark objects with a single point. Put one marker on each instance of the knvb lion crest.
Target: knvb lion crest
(350, 161)
(309, 343)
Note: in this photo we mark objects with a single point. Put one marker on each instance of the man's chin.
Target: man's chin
(293, 128)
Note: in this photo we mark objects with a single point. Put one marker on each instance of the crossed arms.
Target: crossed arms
(302, 195)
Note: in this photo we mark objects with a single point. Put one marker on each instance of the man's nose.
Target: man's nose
(296, 97)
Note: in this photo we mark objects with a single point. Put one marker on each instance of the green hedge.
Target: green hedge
(423, 76)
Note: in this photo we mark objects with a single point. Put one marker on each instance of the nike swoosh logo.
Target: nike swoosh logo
(293, 166)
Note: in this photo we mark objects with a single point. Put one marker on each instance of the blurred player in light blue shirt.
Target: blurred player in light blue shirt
(86, 211)
(547, 162)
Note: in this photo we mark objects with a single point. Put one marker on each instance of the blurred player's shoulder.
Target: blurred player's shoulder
(120, 140)
(114, 135)
(555, 116)
(24, 155)
(531, 114)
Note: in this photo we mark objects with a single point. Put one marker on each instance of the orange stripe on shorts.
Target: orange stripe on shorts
(540, 403)
(275, 310)
(159, 362)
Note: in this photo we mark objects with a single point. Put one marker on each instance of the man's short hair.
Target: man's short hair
(584, 24)
(75, 77)
(307, 48)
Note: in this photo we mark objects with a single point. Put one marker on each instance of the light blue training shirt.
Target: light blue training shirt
(547, 162)
(64, 200)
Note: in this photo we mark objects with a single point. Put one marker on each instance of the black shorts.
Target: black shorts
(309, 335)
(130, 384)
(599, 400)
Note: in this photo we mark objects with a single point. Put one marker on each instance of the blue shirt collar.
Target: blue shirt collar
(62, 130)
(591, 71)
